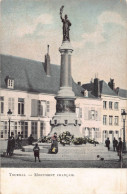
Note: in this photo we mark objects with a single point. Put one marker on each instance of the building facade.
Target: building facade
(114, 101)
(28, 89)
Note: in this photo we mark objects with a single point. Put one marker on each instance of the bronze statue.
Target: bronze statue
(66, 25)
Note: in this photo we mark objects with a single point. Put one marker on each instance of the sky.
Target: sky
(98, 35)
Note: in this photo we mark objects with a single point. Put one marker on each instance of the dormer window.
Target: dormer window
(85, 93)
(9, 82)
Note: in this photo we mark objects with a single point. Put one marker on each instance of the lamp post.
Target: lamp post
(124, 118)
(9, 119)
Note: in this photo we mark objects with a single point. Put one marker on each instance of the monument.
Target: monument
(65, 118)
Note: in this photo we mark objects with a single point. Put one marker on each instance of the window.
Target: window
(116, 105)
(110, 105)
(104, 119)
(116, 121)
(1, 135)
(90, 133)
(76, 122)
(110, 120)
(55, 122)
(93, 114)
(34, 129)
(85, 93)
(97, 133)
(66, 122)
(10, 83)
(104, 104)
(38, 108)
(42, 129)
(48, 106)
(1, 104)
(4, 129)
(23, 127)
(21, 106)
(122, 110)
(80, 112)
(11, 104)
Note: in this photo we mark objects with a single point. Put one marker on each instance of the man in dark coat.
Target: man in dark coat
(107, 142)
(9, 146)
(12, 144)
(115, 143)
(19, 141)
(30, 140)
(120, 148)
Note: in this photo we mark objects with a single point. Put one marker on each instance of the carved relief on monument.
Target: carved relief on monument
(65, 106)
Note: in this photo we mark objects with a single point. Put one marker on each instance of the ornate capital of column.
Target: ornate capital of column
(66, 47)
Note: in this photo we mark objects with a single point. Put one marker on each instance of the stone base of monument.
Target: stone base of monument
(74, 130)
(63, 122)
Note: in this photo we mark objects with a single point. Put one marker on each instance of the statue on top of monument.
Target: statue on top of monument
(66, 25)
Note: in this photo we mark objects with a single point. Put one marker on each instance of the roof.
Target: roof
(122, 93)
(29, 75)
(104, 88)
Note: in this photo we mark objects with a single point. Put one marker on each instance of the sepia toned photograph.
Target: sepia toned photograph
(63, 88)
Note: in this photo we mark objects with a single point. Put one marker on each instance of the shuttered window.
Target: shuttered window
(86, 113)
(40, 108)
(34, 129)
(34, 108)
(1, 104)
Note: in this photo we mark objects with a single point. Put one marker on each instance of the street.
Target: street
(84, 156)
(28, 162)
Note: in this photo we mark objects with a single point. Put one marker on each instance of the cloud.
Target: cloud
(111, 17)
(97, 37)
(44, 19)
(30, 29)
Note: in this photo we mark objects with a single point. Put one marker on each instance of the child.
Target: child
(36, 152)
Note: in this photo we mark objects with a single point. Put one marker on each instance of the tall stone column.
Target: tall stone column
(65, 118)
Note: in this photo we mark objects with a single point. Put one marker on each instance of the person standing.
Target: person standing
(119, 149)
(12, 144)
(36, 150)
(107, 143)
(115, 143)
(19, 141)
(54, 145)
(30, 139)
(9, 146)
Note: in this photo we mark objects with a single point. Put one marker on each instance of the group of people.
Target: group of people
(17, 143)
(117, 146)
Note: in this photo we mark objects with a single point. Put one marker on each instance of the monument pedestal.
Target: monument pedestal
(65, 118)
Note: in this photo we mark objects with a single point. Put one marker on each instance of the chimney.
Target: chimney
(111, 84)
(117, 90)
(47, 66)
(79, 83)
(96, 88)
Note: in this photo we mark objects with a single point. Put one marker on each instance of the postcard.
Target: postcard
(63, 97)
